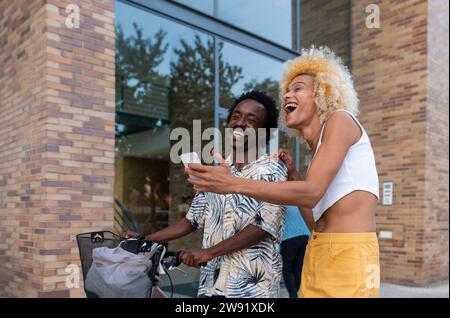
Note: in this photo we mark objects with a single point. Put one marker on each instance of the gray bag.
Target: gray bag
(117, 273)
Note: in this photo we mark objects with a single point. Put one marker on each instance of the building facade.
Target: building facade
(87, 111)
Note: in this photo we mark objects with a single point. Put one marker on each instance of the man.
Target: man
(240, 233)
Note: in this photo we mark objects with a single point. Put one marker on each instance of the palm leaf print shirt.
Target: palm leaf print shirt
(253, 272)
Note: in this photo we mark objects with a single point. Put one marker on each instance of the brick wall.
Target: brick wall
(324, 22)
(405, 119)
(57, 110)
(22, 100)
(436, 169)
(401, 75)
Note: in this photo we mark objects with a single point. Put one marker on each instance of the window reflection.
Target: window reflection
(164, 80)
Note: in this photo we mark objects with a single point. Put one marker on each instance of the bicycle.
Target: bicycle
(167, 260)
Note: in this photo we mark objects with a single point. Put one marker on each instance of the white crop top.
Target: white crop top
(358, 172)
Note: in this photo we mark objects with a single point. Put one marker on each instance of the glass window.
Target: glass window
(269, 19)
(164, 80)
(272, 20)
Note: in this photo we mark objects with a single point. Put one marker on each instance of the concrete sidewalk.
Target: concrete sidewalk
(438, 290)
(186, 284)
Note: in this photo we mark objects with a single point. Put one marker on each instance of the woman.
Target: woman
(340, 193)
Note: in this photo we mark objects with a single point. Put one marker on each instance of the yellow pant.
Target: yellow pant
(341, 265)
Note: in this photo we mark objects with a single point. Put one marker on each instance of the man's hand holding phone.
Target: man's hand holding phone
(188, 158)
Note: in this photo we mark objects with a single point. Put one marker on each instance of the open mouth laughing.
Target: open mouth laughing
(290, 107)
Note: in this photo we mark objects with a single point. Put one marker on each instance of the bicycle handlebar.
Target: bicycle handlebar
(171, 254)
(176, 258)
(176, 255)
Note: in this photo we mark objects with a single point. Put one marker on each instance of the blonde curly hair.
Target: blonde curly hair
(333, 84)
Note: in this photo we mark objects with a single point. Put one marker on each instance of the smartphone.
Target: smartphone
(190, 157)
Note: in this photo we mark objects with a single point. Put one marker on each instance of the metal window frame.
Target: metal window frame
(221, 30)
(211, 25)
(216, 86)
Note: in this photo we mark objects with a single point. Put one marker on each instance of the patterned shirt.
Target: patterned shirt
(253, 272)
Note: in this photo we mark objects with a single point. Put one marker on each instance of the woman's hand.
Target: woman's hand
(285, 156)
(216, 179)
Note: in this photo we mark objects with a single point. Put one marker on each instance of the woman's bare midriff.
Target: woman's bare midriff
(354, 213)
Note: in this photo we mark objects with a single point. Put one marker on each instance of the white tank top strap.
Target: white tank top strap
(320, 137)
(363, 132)
(355, 119)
